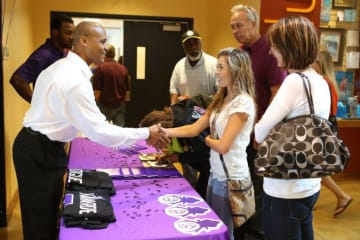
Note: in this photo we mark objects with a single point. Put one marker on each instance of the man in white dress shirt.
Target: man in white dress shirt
(63, 103)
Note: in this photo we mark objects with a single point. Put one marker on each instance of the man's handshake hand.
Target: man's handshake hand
(158, 137)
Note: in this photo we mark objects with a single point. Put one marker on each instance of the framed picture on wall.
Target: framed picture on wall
(345, 81)
(344, 3)
(333, 40)
(325, 10)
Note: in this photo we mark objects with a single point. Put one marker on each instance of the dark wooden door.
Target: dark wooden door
(162, 50)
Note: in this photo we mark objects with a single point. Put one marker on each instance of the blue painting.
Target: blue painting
(345, 82)
(325, 10)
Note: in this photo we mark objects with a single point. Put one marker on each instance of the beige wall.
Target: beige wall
(30, 27)
(20, 43)
(165, 8)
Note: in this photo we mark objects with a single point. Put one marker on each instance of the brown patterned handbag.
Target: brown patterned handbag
(302, 147)
(241, 197)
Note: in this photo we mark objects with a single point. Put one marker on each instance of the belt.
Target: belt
(32, 132)
(40, 135)
(37, 134)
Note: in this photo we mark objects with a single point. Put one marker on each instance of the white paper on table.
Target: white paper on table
(352, 60)
(110, 171)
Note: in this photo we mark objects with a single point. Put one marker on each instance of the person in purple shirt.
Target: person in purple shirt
(54, 48)
(268, 78)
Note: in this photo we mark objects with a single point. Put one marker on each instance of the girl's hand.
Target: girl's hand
(208, 138)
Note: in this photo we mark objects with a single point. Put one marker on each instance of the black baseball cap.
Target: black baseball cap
(190, 34)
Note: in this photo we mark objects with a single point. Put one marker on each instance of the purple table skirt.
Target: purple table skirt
(85, 154)
(120, 163)
(162, 208)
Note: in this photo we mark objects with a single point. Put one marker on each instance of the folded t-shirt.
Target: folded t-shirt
(87, 209)
(81, 179)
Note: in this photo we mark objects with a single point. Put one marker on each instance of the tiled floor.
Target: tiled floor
(344, 227)
(14, 230)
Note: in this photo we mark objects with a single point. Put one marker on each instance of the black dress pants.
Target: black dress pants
(40, 165)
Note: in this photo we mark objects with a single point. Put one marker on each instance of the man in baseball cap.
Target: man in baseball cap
(193, 74)
(190, 34)
(191, 42)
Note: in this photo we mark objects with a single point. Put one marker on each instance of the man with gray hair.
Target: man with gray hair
(244, 23)
(195, 73)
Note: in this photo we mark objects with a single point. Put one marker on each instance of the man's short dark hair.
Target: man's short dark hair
(110, 53)
(58, 19)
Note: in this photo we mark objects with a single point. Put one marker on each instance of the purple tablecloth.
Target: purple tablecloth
(85, 154)
(120, 163)
(162, 208)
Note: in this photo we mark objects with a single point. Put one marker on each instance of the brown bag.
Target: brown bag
(241, 197)
(302, 147)
(242, 200)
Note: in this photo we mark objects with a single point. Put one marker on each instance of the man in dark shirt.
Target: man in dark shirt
(111, 83)
(54, 48)
(268, 78)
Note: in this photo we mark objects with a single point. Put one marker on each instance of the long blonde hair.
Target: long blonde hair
(325, 65)
(243, 77)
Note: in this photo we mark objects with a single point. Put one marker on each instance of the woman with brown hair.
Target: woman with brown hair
(288, 203)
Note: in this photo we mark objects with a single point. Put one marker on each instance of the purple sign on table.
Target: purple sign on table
(163, 208)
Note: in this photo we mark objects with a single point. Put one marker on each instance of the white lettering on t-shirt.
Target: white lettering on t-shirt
(88, 203)
(75, 175)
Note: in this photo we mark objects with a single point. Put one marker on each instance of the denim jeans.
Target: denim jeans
(218, 199)
(288, 219)
(115, 115)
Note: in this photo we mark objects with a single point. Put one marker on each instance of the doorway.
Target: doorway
(162, 50)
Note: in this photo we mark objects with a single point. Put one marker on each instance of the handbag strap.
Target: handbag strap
(227, 174)
(224, 166)
(221, 156)
(307, 88)
(331, 102)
